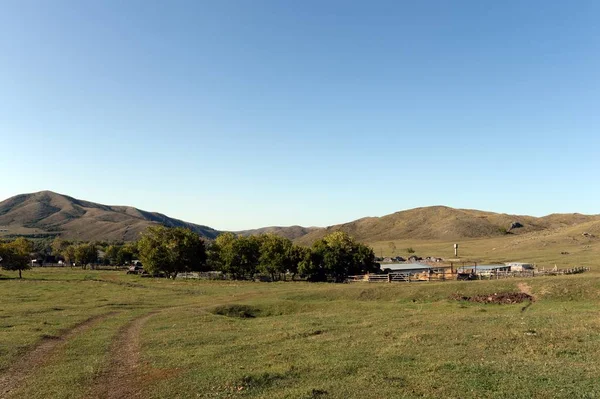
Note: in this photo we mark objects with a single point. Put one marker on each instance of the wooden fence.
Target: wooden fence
(443, 275)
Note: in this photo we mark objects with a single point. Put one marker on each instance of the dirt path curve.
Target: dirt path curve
(525, 288)
(121, 377)
(39, 355)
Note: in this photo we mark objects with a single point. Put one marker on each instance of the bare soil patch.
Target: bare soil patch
(504, 298)
(39, 355)
(525, 288)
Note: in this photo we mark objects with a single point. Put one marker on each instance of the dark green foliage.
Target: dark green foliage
(239, 311)
(85, 254)
(171, 250)
(337, 256)
(16, 255)
(237, 256)
(332, 258)
(110, 254)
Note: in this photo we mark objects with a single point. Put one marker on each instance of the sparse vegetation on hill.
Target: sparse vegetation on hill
(49, 212)
(443, 223)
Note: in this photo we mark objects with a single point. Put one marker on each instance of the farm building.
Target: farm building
(483, 270)
(520, 267)
(411, 268)
(406, 272)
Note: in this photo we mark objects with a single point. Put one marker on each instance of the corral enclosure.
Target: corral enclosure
(107, 334)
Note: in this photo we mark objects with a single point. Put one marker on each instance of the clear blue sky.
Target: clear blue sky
(242, 114)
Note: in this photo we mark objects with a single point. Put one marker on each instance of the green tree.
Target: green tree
(171, 250)
(127, 253)
(221, 253)
(69, 254)
(274, 254)
(213, 256)
(58, 246)
(86, 253)
(335, 257)
(296, 255)
(16, 255)
(364, 260)
(238, 256)
(111, 253)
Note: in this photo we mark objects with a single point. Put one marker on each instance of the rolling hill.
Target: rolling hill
(444, 223)
(563, 239)
(49, 213)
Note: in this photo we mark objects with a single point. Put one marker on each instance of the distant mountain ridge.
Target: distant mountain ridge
(47, 212)
(445, 223)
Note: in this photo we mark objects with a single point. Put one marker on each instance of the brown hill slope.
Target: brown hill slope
(444, 223)
(49, 212)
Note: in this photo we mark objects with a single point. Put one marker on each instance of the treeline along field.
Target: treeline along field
(169, 251)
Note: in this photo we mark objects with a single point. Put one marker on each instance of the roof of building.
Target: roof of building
(406, 266)
(483, 267)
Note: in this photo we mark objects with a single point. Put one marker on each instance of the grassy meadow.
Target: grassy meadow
(211, 339)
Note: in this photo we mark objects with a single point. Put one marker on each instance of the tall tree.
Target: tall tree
(274, 254)
(111, 253)
(336, 256)
(86, 253)
(127, 253)
(171, 250)
(58, 246)
(238, 256)
(296, 255)
(69, 254)
(16, 255)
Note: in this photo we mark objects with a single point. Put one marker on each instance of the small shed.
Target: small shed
(519, 266)
(483, 270)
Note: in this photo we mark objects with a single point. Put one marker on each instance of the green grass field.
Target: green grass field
(200, 339)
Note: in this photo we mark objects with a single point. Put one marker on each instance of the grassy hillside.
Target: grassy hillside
(81, 334)
(444, 223)
(47, 212)
(577, 245)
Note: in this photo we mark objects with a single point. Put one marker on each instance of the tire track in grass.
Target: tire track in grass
(121, 377)
(24, 367)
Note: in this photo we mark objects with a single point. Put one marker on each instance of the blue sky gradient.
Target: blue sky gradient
(243, 114)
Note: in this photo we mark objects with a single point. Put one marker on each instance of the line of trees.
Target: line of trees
(174, 250)
(20, 253)
(332, 258)
(75, 253)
